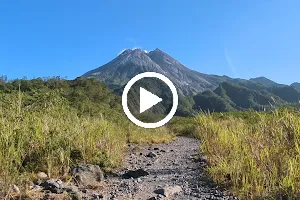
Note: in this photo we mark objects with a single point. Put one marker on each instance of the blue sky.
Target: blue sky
(236, 38)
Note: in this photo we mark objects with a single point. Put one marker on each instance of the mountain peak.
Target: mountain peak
(125, 51)
(134, 61)
(296, 85)
(264, 81)
(157, 51)
(133, 51)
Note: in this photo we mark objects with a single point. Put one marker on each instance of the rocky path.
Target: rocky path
(165, 171)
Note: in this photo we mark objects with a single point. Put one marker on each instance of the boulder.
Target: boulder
(88, 175)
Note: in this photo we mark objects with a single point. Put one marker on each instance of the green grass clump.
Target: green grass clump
(258, 156)
(147, 136)
(184, 126)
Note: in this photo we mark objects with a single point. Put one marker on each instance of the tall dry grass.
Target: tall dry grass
(257, 156)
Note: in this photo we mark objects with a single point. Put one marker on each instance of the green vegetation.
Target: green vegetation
(245, 95)
(52, 125)
(255, 154)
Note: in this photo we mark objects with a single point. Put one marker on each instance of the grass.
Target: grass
(184, 126)
(51, 136)
(256, 154)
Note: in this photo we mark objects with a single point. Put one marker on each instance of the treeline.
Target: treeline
(89, 96)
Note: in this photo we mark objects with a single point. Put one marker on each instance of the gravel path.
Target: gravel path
(174, 164)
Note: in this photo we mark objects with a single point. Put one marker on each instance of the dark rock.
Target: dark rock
(84, 191)
(70, 188)
(151, 155)
(88, 175)
(52, 186)
(202, 159)
(76, 196)
(96, 196)
(156, 149)
(135, 174)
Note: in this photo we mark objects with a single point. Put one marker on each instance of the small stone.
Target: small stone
(76, 196)
(52, 186)
(96, 195)
(203, 159)
(42, 175)
(151, 155)
(15, 189)
(156, 149)
(84, 191)
(70, 188)
(169, 191)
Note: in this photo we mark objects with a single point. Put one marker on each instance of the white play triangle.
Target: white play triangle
(147, 100)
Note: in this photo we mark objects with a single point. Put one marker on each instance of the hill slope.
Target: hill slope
(265, 82)
(243, 96)
(296, 85)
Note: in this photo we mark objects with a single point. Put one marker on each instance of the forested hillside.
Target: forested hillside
(244, 96)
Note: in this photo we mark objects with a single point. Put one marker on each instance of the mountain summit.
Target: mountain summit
(129, 63)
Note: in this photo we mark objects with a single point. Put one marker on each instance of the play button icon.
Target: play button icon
(147, 100)
(152, 97)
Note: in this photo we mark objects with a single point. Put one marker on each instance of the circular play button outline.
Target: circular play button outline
(150, 75)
